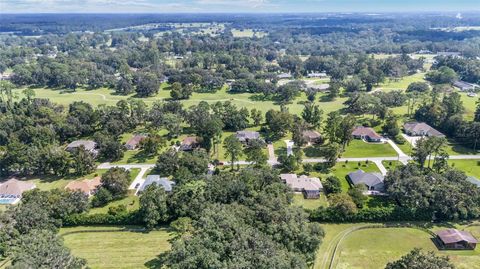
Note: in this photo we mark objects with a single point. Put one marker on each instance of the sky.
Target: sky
(233, 6)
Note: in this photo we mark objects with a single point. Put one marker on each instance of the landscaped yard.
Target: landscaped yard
(131, 202)
(298, 200)
(359, 148)
(374, 248)
(115, 247)
(391, 165)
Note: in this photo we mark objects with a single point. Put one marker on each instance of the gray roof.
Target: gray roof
(15, 187)
(369, 179)
(474, 180)
(302, 183)
(87, 144)
(421, 128)
(156, 179)
(247, 135)
(465, 85)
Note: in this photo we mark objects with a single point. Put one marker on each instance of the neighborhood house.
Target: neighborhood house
(420, 129)
(366, 133)
(189, 143)
(88, 145)
(312, 137)
(11, 190)
(455, 239)
(134, 142)
(373, 181)
(309, 186)
(245, 136)
(87, 186)
(465, 86)
(160, 181)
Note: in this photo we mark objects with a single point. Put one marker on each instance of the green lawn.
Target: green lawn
(298, 200)
(116, 249)
(387, 244)
(131, 202)
(391, 165)
(458, 149)
(359, 148)
(401, 84)
(248, 33)
(470, 167)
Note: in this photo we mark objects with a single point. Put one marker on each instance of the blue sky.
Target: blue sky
(235, 6)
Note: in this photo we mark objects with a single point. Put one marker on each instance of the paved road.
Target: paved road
(396, 148)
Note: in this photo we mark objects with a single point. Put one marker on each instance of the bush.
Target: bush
(399, 140)
(120, 218)
(375, 214)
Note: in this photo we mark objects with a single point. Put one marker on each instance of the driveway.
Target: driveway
(412, 139)
(289, 147)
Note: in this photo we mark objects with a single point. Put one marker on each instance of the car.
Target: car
(137, 185)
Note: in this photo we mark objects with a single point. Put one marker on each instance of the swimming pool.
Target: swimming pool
(8, 201)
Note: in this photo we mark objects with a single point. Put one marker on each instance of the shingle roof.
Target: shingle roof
(87, 144)
(244, 135)
(449, 236)
(369, 179)
(86, 185)
(311, 134)
(15, 187)
(366, 131)
(135, 140)
(421, 128)
(164, 182)
(303, 182)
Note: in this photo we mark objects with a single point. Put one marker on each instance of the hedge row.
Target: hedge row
(124, 218)
(376, 214)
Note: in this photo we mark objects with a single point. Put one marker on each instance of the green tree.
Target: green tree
(153, 206)
(417, 259)
(332, 185)
(233, 149)
(256, 116)
(82, 161)
(116, 180)
(255, 154)
(312, 114)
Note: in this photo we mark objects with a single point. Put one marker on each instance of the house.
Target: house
(309, 186)
(11, 190)
(317, 75)
(319, 87)
(134, 142)
(87, 186)
(373, 181)
(452, 54)
(160, 181)
(284, 76)
(465, 86)
(189, 143)
(424, 52)
(312, 137)
(366, 133)
(420, 129)
(455, 239)
(474, 181)
(245, 136)
(88, 145)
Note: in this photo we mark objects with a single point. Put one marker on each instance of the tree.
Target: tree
(443, 75)
(357, 195)
(116, 180)
(345, 130)
(256, 116)
(342, 204)
(255, 154)
(147, 85)
(233, 149)
(391, 127)
(417, 259)
(332, 185)
(331, 153)
(353, 85)
(167, 163)
(332, 127)
(179, 91)
(419, 87)
(278, 123)
(298, 128)
(153, 206)
(151, 144)
(43, 249)
(312, 114)
(82, 161)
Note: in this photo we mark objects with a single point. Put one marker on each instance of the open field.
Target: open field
(248, 33)
(115, 247)
(374, 247)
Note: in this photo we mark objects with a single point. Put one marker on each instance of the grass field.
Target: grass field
(470, 167)
(115, 247)
(131, 202)
(298, 200)
(248, 33)
(373, 248)
(359, 148)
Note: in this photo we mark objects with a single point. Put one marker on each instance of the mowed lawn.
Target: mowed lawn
(298, 200)
(470, 167)
(359, 148)
(374, 248)
(104, 248)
